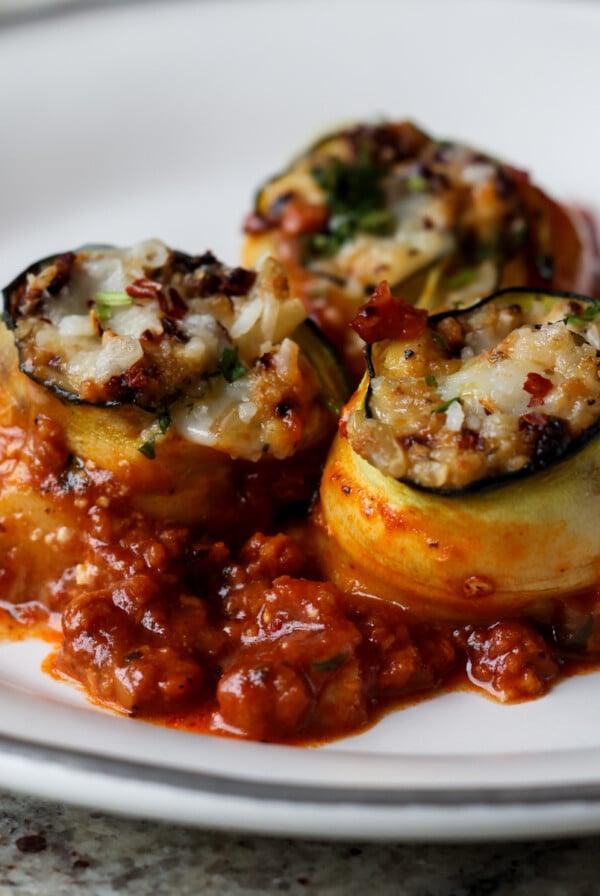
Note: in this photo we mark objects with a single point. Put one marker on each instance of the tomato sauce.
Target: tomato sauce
(240, 636)
(250, 644)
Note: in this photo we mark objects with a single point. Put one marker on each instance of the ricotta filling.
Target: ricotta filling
(518, 388)
(211, 344)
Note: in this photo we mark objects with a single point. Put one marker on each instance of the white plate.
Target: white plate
(160, 120)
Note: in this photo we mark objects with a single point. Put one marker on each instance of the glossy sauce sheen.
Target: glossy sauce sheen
(249, 641)
(241, 632)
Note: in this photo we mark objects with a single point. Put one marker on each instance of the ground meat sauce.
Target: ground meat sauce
(189, 588)
(164, 625)
(249, 645)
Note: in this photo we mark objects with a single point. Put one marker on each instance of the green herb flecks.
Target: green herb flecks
(355, 198)
(461, 278)
(589, 313)
(431, 381)
(162, 423)
(442, 408)
(378, 223)
(440, 341)
(148, 448)
(416, 183)
(230, 365)
(106, 302)
(331, 664)
(351, 187)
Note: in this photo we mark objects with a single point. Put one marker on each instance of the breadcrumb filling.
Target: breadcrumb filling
(507, 387)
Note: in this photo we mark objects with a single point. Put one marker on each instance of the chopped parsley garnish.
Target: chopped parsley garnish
(106, 302)
(230, 365)
(327, 244)
(355, 198)
(440, 341)
(164, 421)
(461, 278)
(431, 381)
(379, 222)
(446, 404)
(416, 183)
(589, 313)
(331, 664)
(351, 187)
(148, 449)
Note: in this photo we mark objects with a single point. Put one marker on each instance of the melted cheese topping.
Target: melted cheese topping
(208, 348)
(516, 387)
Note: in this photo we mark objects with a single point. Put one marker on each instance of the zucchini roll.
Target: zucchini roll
(186, 380)
(445, 222)
(464, 478)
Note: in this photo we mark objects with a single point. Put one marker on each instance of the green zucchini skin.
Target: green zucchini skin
(10, 316)
(215, 344)
(319, 351)
(445, 224)
(166, 471)
(506, 546)
(368, 176)
(332, 374)
(522, 297)
(18, 311)
(520, 293)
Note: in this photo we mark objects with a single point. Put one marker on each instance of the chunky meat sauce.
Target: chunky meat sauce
(162, 624)
(172, 547)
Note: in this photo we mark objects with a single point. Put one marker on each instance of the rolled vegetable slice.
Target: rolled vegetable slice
(182, 377)
(446, 222)
(471, 397)
(464, 476)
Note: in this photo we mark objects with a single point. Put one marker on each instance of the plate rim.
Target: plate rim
(395, 806)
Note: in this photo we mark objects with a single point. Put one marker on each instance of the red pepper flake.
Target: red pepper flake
(533, 420)
(143, 288)
(468, 440)
(386, 317)
(136, 377)
(300, 216)
(538, 387)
